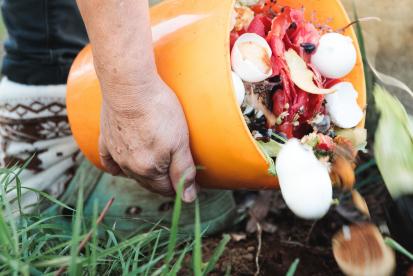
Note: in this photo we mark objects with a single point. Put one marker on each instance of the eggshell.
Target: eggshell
(304, 181)
(335, 56)
(251, 58)
(342, 106)
(239, 88)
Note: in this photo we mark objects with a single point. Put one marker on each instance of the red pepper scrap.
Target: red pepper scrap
(286, 28)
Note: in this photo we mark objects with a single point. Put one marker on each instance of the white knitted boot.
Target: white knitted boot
(33, 124)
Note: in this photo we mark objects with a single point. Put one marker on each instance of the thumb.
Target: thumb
(182, 165)
(106, 159)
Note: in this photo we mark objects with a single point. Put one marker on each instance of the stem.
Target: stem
(363, 19)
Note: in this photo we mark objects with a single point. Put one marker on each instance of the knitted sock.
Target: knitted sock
(33, 124)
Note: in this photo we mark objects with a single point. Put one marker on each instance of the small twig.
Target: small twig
(257, 256)
(307, 239)
(89, 234)
(295, 243)
(363, 19)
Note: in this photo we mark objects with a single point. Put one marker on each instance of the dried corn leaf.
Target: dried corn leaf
(393, 145)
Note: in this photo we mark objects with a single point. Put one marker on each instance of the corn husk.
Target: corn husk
(393, 146)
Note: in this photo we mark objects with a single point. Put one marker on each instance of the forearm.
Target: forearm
(120, 34)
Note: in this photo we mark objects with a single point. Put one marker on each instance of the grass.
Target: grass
(36, 245)
(293, 268)
(397, 247)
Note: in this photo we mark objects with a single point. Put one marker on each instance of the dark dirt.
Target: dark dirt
(295, 238)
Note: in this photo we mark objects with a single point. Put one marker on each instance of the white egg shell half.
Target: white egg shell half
(239, 88)
(248, 69)
(342, 106)
(335, 56)
(304, 181)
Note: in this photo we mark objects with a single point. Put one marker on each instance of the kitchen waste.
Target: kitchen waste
(289, 79)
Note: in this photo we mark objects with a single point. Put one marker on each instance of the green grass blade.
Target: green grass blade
(217, 254)
(175, 224)
(14, 237)
(197, 252)
(365, 166)
(178, 264)
(76, 230)
(145, 239)
(93, 253)
(396, 246)
(119, 251)
(5, 234)
(50, 198)
(149, 265)
(293, 268)
(155, 248)
(137, 251)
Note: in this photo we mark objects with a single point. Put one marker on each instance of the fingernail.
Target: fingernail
(189, 193)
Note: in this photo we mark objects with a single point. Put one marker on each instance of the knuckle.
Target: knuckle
(161, 185)
(147, 169)
(104, 156)
(189, 174)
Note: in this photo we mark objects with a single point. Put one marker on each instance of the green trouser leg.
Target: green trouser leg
(136, 209)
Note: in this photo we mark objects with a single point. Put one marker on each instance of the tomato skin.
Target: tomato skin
(232, 39)
(260, 25)
(328, 83)
(325, 142)
(266, 7)
(287, 129)
(279, 102)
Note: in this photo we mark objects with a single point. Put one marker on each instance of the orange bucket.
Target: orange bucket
(191, 41)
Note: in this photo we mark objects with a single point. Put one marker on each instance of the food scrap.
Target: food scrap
(289, 80)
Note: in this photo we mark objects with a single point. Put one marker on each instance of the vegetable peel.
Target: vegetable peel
(301, 75)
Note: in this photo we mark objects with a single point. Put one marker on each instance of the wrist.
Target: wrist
(129, 96)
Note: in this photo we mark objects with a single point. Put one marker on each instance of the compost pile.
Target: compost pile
(289, 75)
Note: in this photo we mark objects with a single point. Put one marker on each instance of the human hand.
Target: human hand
(144, 135)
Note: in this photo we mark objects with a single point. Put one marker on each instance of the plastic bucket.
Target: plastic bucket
(191, 41)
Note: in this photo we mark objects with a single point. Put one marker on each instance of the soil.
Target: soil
(296, 238)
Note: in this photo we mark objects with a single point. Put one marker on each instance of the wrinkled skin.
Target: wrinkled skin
(148, 142)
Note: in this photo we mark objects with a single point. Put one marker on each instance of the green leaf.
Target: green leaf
(271, 164)
(357, 137)
(393, 146)
(272, 148)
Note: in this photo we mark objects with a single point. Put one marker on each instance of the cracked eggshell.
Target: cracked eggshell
(304, 181)
(335, 56)
(342, 106)
(239, 88)
(251, 58)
